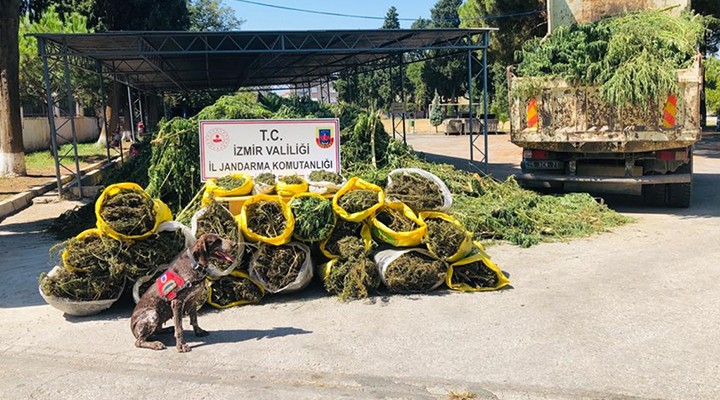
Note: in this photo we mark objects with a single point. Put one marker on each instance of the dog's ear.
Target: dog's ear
(200, 253)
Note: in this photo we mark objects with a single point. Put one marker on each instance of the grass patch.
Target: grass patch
(43, 159)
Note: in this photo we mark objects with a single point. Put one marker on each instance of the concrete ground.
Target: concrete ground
(629, 314)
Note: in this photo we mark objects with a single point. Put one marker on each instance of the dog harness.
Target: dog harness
(170, 283)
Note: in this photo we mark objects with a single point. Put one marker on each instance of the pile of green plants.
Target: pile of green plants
(414, 272)
(278, 266)
(505, 211)
(128, 212)
(443, 238)
(354, 274)
(632, 58)
(174, 176)
(314, 218)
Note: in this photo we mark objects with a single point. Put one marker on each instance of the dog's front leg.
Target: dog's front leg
(199, 332)
(177, 308)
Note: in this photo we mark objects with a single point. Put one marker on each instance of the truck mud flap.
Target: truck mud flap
(648, 179)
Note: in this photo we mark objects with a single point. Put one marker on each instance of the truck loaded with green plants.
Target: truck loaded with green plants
(609, 100)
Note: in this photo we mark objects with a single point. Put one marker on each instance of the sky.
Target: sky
(260, 18)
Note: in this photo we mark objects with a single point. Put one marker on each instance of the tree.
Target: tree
(711, 9)
(140, 15)
(436, 116)
(211, 15)
(512, 33)
(712, 85)
(375, 89)
(391, 19)
(12, 154)
(32, 82)
(446, 74)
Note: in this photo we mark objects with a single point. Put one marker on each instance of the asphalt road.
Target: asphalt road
(628, 314)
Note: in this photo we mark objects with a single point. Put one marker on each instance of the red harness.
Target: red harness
(169, 284)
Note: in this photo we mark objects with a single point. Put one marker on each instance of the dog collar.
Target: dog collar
(195, 265)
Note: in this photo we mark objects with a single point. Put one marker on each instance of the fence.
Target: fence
(36, 131)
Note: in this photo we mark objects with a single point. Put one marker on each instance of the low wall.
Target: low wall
(36, 131)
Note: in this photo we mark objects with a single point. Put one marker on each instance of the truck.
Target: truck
(573, 141)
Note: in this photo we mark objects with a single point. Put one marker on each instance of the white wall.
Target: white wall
(36, 131)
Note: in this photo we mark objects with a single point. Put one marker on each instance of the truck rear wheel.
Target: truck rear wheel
(679, 194)
(655, 195)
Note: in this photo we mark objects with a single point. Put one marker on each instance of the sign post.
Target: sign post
(282, 147)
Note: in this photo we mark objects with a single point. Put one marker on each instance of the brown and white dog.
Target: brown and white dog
(177, 291)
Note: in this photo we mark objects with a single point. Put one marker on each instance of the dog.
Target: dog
(177, 291)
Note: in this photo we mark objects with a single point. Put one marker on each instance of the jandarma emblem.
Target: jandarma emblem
(324, 137)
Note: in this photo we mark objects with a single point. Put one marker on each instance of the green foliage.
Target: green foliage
(632, 58)
(512, 32)
(140, 15)
(436, 115)
(294, 106)
(444, 14)
(173, 174)
(506, 211)
(391, 19)
(712, 85)
(711, 10)
(212, 15)
(32, 83)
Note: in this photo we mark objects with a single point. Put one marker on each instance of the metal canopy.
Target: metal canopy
(181, 61)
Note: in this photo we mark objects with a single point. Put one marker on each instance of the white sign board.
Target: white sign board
(282, 147)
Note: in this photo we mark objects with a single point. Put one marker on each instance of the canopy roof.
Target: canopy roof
(181, 61)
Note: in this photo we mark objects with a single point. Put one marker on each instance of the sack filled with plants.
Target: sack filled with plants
(357, 200)
(143, 256)
(290, 185)
(323, 182)
(342, 229)
(267, 219)
(476, 273)
(397, 225)
(125, 212)
(419, 189)
(410, 270)
(314, 217)
(264, 183)
(215, 218)
(227, 186)
(95, 253)
(234, 290)
(446, 238)
(285, 268)
(79, 293)
(354, 274)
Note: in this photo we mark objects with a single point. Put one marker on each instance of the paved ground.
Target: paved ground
(630, 314)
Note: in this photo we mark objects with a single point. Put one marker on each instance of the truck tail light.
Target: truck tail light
(529, 154)
(671, 155)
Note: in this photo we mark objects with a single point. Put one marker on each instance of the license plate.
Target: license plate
(549, 164)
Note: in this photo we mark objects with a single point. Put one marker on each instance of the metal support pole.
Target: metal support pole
(103, 97)
(470, 104)
(392, 87)
(486, 43)
(329, 87)
(402, 93)
(140, 107)
(50, 114)
(130, 112)
(71, 114)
